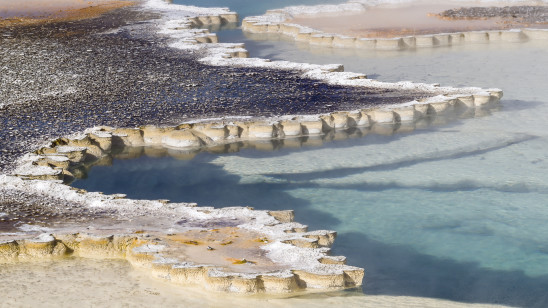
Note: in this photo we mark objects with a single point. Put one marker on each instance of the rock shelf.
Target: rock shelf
(65, 157)
(229, 250)
(155, 147)
(162, 256)
(280, 22)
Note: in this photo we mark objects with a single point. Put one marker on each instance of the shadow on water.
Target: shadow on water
(197, 181)
(518, 105)
(343, 172)
(397, 270)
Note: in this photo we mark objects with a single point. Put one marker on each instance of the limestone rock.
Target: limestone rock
(181, 139)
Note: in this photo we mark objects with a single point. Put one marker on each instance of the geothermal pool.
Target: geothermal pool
(453, 211)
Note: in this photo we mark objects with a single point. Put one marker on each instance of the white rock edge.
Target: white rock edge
(276, 21)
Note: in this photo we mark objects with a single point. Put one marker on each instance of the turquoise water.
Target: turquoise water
(456, 211)
(253, 8)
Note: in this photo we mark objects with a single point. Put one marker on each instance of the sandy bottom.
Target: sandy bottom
(114, 283)
(407, 19)
(33, 11)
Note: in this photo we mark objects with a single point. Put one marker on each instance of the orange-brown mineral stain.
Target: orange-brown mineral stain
(240, 261)
(227, 247)
(20, 13)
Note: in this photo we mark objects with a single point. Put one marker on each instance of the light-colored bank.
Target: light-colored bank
(261, 252)
(63, 283)
(279, 21)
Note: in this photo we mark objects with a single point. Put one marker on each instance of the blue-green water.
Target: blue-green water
(253, 8)
(457, 211)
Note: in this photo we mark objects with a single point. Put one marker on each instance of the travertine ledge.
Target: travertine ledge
(180, 24)
(233, 249)
(64, 157)
(279, 21)
(185, 24)
(234, 259)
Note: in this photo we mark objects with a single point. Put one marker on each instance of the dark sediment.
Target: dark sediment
(521, 14)
(19, 208)
(59, 78)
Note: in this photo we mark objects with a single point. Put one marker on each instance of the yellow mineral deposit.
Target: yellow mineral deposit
(226, 259)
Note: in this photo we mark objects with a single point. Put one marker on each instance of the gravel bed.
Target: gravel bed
(522, 14)
(18, 209)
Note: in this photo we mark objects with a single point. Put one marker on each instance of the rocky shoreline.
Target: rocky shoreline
(65, 77)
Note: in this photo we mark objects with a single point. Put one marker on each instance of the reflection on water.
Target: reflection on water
(80, 171)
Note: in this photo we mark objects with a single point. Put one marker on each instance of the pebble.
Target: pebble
(522, 14)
